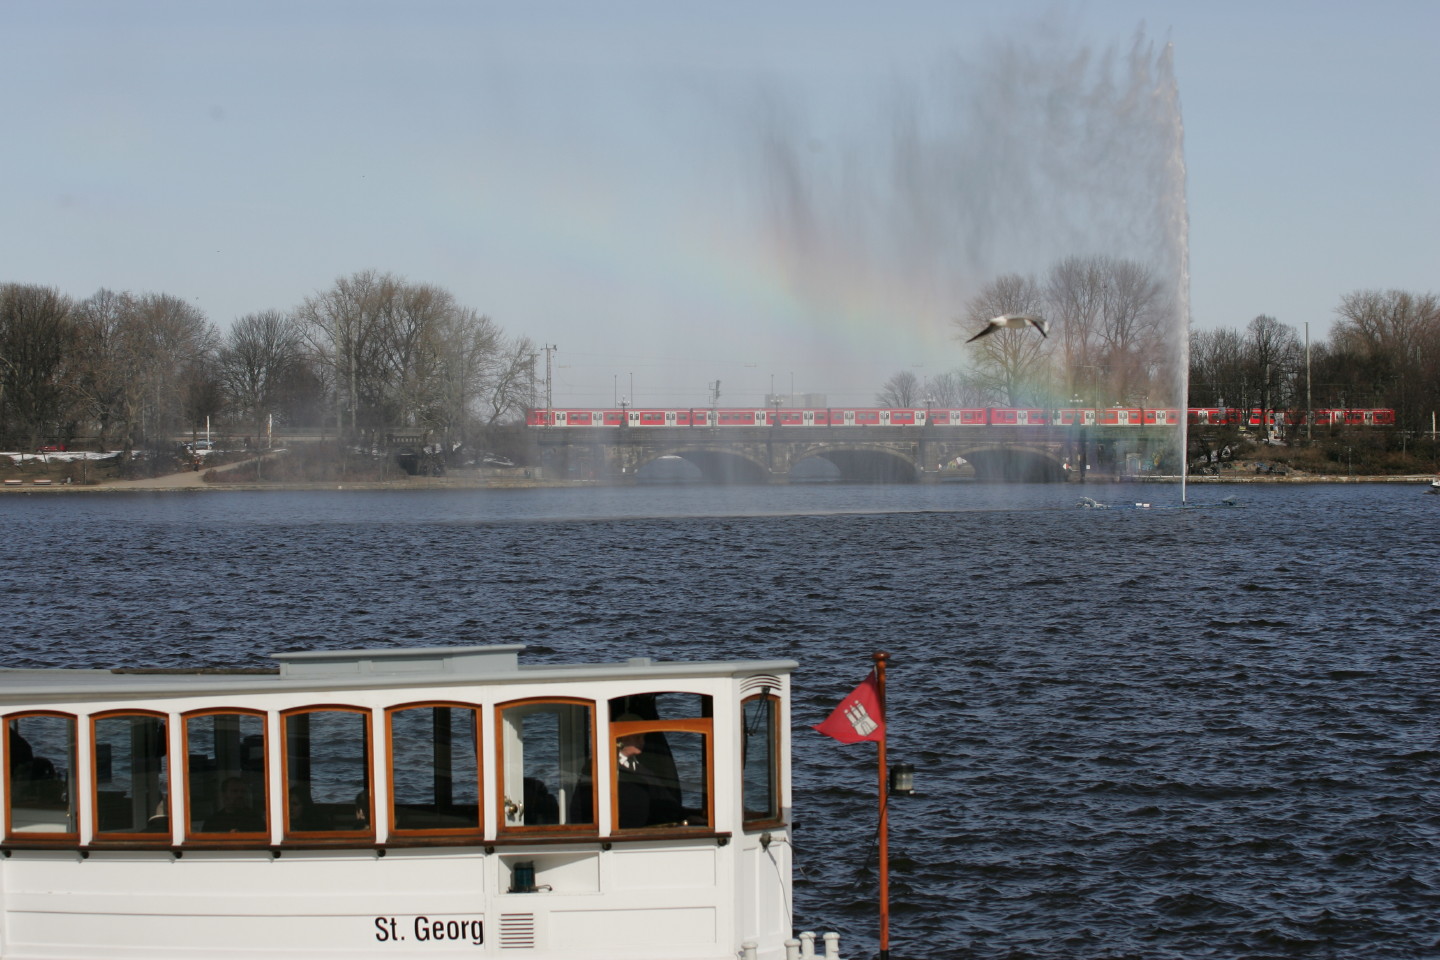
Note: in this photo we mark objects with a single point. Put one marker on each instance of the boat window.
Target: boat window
(760, 763)
(225, 781)
(661, 761)
(131, 777)
(434, 769)
(546, 751)
(40, 764)
(327, 772)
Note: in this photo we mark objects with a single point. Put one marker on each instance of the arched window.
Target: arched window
(226, 781)
(661, 761)
(434, 769)
(40, 777)
(327, 773)
(760, 759)
(131, 776)
(546, 749)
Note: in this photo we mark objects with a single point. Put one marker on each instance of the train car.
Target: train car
(946, 417)
(739, 418)
(1369, 418)
(1121, 417)
(973, 417)
(1018, 417)
(1075, 416)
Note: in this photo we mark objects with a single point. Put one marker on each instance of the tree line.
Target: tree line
(372, 353)
(1111, 326)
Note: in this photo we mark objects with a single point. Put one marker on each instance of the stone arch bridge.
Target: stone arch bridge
(860, 454)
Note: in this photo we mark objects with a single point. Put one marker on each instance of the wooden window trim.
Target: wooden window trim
(466, 833)
(758, 823)
(504, 829)
(248, 839)
(701, 725)
(321, 837)
(147, 838)
(68, 838)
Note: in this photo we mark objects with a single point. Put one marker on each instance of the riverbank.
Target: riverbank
(190, 482)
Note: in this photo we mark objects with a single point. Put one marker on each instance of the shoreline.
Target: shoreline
(191, 483)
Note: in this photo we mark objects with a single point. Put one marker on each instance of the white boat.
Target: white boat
(400, 803)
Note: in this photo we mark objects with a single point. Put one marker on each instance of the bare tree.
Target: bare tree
(1075, 305)
(901, 390)
(99, 382)
(1110, 318)
(164, 345)
(1393, 340)
(509, 384)
(473, 353)
(1011, 364)
(1274, 362)
(956, 389)
(259, 363)
(1132, 328)
(37, 339)
(345, 327)
(1217, 368)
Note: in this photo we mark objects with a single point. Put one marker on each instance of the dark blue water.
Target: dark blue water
(1137, 733)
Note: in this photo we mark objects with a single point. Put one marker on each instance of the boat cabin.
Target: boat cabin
(398, 803)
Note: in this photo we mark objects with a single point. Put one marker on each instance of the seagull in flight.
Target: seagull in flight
(1013, 321)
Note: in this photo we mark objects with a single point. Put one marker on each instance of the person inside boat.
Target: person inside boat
(647, 794)
(235, 813)
(20, 751)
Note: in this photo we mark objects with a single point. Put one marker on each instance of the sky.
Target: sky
(781, 197)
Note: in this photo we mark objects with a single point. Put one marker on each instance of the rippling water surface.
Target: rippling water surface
(1137, 733)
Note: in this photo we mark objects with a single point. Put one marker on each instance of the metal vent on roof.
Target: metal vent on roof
(517, 931)
(756, 683)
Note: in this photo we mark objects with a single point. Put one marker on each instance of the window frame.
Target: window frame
(502, 828)
(248, 838)
(406, 834)
(623, 728)
(65, 838)
(293, 836)
(147, 838)
(777, 817)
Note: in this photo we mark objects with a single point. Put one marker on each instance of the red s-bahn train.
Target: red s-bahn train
(919, 417)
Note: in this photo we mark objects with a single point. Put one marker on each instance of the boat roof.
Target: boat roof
(358, 669)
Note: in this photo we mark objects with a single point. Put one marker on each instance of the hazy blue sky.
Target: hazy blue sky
(675, 193)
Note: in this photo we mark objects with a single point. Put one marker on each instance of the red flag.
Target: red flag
(858, 717)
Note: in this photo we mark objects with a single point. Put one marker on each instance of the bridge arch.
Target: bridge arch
(1015, 463)
(862, 462)
(716, 465)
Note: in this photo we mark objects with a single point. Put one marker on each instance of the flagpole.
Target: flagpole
(881, 658)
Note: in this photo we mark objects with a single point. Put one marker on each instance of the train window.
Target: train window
(39, 776)
(546, 750)
(434, 769)
(661, 761)
(327, 772)
(225, 781)
(760, 759)
(130, 775)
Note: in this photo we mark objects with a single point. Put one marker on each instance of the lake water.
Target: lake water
(1137, 733)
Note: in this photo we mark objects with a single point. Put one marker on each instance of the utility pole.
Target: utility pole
(549, 412)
